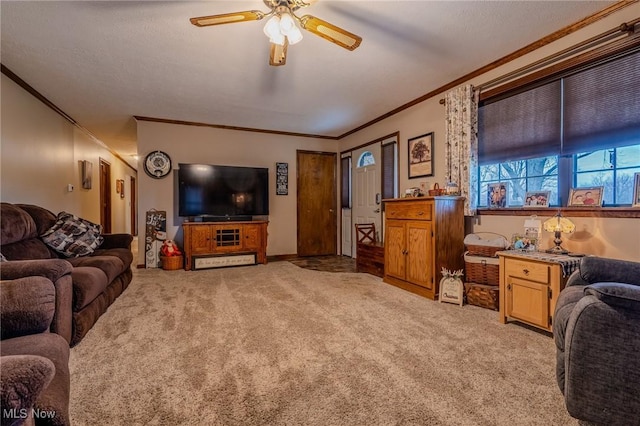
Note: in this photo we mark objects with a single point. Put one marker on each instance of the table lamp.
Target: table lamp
(558, 225)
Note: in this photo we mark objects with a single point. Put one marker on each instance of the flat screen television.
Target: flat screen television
(222, 192)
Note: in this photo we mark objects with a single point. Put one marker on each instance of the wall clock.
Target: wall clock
(157, 164)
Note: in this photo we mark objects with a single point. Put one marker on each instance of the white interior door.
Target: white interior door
(366, 185)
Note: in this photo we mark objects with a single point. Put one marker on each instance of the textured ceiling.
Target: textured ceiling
(104, 62)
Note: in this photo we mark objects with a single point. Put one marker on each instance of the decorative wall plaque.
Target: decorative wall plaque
(282, 178)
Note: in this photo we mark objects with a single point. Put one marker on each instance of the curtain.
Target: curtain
(462, 143)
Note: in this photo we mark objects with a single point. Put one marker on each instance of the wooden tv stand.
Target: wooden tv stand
(204, 240)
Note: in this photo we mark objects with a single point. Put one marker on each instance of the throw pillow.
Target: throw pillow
(72, 236)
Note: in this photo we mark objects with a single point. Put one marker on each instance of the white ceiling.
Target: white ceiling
(104, 62)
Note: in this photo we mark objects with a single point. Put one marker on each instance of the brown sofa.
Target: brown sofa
(94, 282)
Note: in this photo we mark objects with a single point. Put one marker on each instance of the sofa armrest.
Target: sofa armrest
(597, 269)
(52, 269)
(116, 241)
(602, 342)
(27, 306)
(58, 272)
(23, 378)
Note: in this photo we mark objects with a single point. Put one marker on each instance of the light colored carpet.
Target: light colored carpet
(279, 345)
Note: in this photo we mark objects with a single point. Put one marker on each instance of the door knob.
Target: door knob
(376, 211)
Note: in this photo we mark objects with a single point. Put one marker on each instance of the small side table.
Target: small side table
(530, 283)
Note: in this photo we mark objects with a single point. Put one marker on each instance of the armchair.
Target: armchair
(597, 335)
(35, 362)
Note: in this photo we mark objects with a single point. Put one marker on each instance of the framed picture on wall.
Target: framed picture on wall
(87, 172)
(421, 156)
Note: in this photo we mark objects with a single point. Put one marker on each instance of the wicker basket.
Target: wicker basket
(436, 190)
(481, 248)
(485, 296)
(171, 263)
(482, 270)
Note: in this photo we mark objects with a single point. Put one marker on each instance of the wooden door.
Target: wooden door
(394, 245)
(251, 237)
(419, 253)
(105, 196)
(316, 198)
(134, 205)
(366, 188)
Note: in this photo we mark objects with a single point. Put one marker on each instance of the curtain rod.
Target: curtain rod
(598, 40)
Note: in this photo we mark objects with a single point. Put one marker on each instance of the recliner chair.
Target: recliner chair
(597, 335)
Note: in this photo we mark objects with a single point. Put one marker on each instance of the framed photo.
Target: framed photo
(120, 187)
(282, 178)
(497, 195)
(524, 242)
(636, 190)
(537, 199)
(585, 197)
(87, 173)
(421, 156)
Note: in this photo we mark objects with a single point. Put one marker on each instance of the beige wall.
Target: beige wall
(41, 154)
(616, 238)
(206, 145)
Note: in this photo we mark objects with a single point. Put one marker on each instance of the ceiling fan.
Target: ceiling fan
(281, 26)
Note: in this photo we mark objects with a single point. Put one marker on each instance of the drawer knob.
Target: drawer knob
(509, 287)
(420, 213)
(526, 271)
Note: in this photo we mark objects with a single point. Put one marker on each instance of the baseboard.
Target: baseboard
(281, 257)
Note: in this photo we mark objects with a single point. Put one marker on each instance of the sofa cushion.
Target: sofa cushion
(73, 236)
(43, 218)
(88, 283)
(124, 254)
(15, 225)
(112, 266)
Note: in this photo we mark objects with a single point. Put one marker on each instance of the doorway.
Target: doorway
(367, 199)
(105, 196)
(316, 203)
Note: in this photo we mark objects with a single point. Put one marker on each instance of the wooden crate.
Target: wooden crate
(485, 296)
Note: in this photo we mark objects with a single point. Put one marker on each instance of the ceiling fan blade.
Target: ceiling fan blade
(227, 18)
(278, 54)
(330, 32)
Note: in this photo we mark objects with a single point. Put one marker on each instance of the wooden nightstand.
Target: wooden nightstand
(530, 283)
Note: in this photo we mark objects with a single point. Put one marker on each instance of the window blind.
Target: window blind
(389, 170)
(602, 106)
(345, 192)
(521, 126)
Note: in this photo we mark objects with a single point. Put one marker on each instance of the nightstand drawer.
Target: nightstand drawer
(531, 271)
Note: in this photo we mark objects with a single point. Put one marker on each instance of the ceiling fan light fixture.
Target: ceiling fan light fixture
(278, 39)
(294, 35)
(286, 23)
(272, 27)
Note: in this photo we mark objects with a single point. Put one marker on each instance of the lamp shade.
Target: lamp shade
(294, 35)
(272, 27)
(559, 224)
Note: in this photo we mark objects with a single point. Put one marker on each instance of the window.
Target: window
(366, 159)
(578, 129)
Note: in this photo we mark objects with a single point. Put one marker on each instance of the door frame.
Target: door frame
(350, 151)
